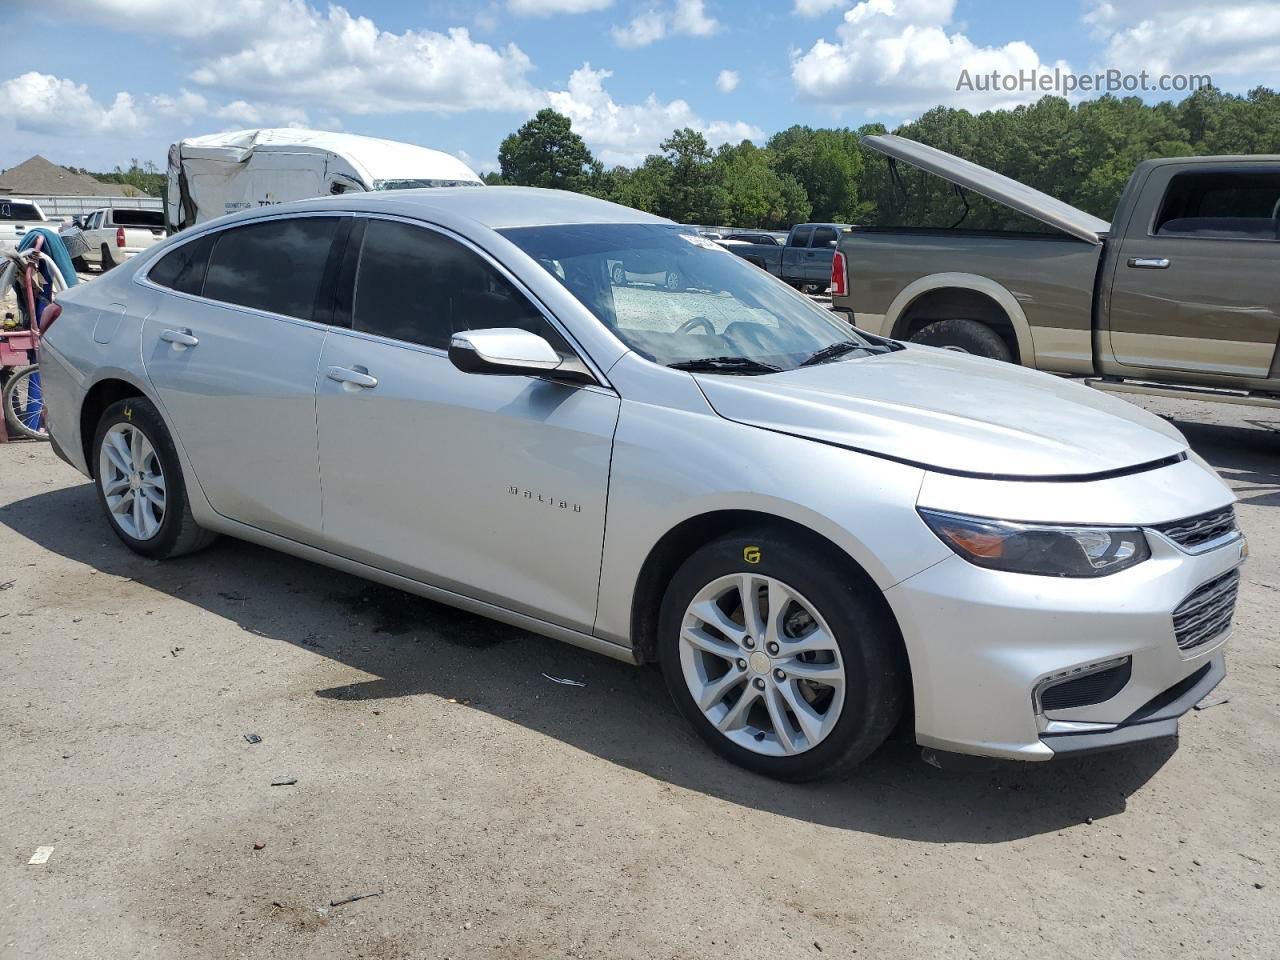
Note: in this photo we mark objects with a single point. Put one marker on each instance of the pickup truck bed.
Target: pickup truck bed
(1177, 292)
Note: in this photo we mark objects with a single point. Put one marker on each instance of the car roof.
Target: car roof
(493, 207)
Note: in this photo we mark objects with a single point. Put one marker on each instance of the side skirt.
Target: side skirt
(576, 638)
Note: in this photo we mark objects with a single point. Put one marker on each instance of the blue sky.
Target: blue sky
(101, 81)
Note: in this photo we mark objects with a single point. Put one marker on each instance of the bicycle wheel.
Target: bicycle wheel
(24, 404)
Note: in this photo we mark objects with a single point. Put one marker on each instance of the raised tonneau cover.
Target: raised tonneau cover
(992, 185)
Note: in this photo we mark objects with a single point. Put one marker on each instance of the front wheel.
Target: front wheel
(965, 336)
(140, 484)
(780, 660)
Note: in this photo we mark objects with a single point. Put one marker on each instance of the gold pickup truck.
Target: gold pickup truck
(1179, 295)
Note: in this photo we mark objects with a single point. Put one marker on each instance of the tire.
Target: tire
(24, 403)
(107, 261)
(863, 641)
(619, 275)
(965, 336)
(672, 281)
(176, 532)
(80, 264)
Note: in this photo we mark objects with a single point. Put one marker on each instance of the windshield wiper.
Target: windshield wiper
(725, 365)
(833, 350)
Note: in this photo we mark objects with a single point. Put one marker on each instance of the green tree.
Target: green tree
(545, 152)
(826, 163)
(693, 194)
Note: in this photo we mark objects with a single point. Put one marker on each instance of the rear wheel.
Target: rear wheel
(107, 262)
(782, 664)
(23, 402)
(619, 275)
(965, 336)
(139, 482)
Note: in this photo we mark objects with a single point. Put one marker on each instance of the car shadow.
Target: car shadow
(414, 647)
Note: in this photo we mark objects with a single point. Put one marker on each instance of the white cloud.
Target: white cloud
(816, 8)
(727, 81)
(244, 114)
(625, 133)
(897, 56)
(686, 17)
(1240, 38)
(42, 103)
(288, 50)
(547, 8)
(643, 30)
(691, 19)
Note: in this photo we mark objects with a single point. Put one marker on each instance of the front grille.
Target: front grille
(1200, 529)
(1206, 614)
(1096, 687)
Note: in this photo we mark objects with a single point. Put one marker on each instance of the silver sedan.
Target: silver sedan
(819, 534)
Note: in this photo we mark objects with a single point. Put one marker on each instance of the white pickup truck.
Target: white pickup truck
(114, 234)
(16, 218)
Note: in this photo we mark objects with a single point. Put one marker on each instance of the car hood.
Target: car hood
(947, 411)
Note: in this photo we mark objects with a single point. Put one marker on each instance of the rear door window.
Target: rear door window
(801, 237)
(419, 286)
(824, 237)
(275, 265)
(1222, 204)
(183, 269)
(18, 210)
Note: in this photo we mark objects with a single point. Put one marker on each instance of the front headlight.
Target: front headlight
(1046, 551)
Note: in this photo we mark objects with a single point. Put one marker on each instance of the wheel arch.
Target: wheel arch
(106, 391)
(682, 540)
(956, 293)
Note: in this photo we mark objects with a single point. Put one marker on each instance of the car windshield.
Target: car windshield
(676, 298)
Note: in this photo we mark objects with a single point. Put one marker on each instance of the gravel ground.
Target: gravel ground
(502, 815)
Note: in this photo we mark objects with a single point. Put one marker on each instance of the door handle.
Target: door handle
(181, 339)
(355, 378)
(1149, 263)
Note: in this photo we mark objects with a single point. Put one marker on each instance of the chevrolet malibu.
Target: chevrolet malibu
(820, 535)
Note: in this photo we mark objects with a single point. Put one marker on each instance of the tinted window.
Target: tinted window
(18, 210)
(138, 218)
(801, 237)
(1233, 204)
(417, 285)
(183, 269)
(274, 266)
(824, 236)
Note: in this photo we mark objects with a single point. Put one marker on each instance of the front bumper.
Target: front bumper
(980, 641)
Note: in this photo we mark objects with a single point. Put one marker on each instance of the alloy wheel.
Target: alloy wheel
(762, 665)
(132, 480)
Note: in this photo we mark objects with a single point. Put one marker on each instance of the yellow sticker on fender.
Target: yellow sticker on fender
(751, 554)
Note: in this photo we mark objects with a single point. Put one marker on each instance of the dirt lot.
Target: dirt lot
(502, 815)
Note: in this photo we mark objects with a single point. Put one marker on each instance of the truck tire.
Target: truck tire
(965, 336)
(107, 262)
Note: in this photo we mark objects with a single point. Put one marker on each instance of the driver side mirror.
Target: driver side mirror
(512, 352)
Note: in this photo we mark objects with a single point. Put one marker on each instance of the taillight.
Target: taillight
(50, 313)
(839, 281)
(119, 236)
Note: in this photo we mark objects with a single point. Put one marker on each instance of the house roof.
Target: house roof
(38, 177)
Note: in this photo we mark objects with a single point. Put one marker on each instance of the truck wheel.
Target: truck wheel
(784, 665)
(80, 264)
(107, 262)
(965, 336)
